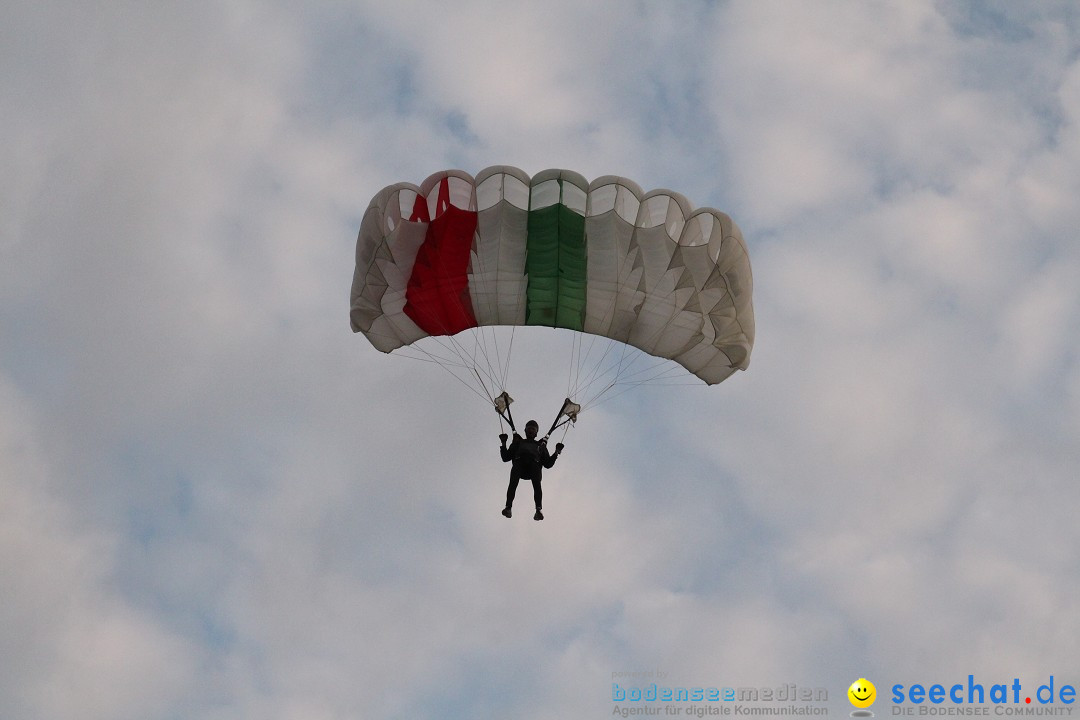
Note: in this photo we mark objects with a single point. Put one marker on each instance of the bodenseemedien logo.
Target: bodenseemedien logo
(631, 699)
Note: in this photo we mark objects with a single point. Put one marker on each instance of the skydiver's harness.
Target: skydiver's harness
(567, 413)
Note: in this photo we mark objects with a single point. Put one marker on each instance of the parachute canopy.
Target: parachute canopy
(600, 257)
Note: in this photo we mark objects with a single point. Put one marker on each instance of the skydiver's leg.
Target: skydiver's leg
(511, 490)
(538, 496)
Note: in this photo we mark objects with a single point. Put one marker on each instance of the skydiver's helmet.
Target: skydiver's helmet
(532, 429)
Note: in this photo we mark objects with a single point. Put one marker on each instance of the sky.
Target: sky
(221, 504)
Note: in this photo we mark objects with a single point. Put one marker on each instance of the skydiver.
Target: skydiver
(529, 457)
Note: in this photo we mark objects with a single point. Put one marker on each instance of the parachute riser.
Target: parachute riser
(556, 426)
(509, 420)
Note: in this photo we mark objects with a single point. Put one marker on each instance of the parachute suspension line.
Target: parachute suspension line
(575, 346)
(426, 356)
(465, 360)
(469, 359)
(598, 370)
(566, 428)
(588, 367)
(482, 347)
(624, 387)
(509, 353)
(614, 371)
(503, 358)
(622, 362)
(601, 399)
(445, 366)
(584, 361)
(487, 359)
(497, 369)
(584, 375)
(663, 373)
(570, 363)
(651, 373)
(575, 359)
(601, 372)
(488, 347)
(579, 360)
(625, 369)
(486, 391)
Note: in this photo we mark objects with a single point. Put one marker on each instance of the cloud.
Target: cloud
(220, 503)
(73, 645)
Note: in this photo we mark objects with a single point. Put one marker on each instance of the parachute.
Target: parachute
(460, 256)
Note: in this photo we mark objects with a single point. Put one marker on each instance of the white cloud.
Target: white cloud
(73, 646)
(219, 503)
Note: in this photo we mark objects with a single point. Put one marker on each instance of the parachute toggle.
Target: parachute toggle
(502, 403)
(570, 410)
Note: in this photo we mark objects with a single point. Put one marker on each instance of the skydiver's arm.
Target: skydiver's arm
(508, 453)
(546, 458)
(549, 460)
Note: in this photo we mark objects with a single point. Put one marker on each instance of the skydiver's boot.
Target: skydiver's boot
(506, 511)
(539, 515)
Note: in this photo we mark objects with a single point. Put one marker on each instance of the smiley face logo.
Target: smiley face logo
(862, 693)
